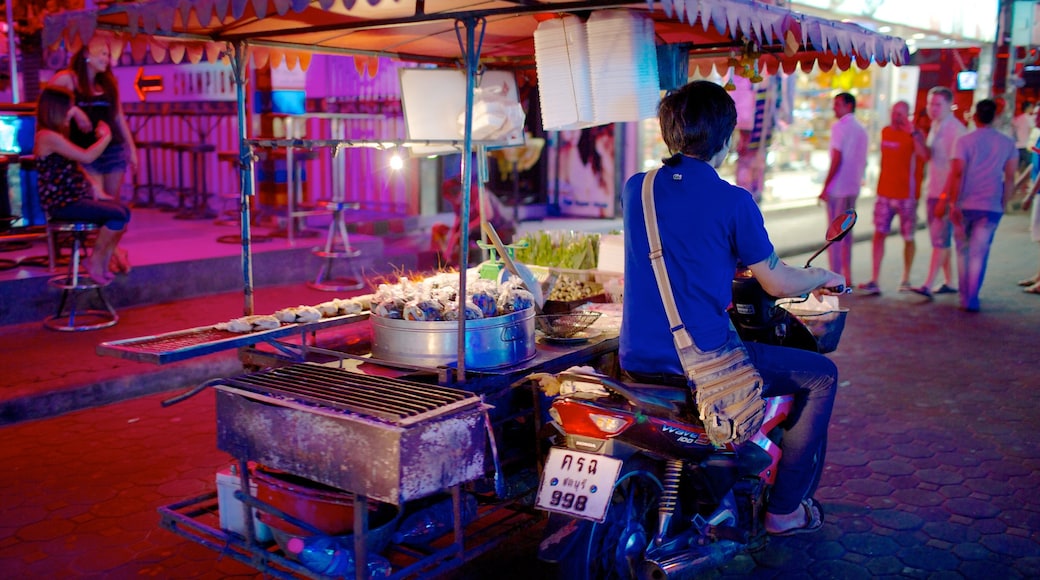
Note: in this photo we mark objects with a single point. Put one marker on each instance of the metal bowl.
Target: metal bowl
(496, 342)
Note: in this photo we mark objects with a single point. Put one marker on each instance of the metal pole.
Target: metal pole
(239, 58)
(10, 51)
(470, 57)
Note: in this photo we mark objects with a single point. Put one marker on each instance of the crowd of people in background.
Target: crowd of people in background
(968, 178)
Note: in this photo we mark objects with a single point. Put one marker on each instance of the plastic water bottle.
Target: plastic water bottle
(430, 523)
(327, 555)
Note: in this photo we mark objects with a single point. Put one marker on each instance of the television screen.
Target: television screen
(966, 80)
(10, 126)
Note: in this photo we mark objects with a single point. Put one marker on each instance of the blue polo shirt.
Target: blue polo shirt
(707, 225)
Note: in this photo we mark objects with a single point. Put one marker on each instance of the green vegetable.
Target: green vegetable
(571, 250)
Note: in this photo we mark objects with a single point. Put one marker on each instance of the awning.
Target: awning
(425, 30)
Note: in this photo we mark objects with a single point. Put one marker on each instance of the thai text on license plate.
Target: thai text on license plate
(577, 484)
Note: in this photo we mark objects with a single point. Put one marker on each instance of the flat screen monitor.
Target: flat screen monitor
(10, 127)
(966, 80)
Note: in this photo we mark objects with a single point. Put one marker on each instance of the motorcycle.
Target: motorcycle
(634, 488)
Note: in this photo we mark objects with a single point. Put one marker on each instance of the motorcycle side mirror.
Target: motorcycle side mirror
(839, 228)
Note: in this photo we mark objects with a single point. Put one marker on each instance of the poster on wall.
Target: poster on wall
(585, 176)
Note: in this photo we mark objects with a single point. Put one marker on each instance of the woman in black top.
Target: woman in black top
(89, 77)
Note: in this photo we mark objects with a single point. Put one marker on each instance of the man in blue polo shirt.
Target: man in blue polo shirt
(707, 226)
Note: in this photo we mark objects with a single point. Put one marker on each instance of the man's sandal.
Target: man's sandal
(813, 519)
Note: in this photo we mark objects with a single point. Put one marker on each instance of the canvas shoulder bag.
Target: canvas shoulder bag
(727, 387)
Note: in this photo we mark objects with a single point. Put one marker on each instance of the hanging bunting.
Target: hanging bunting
(275, 58)
(282, 6)
(176, 52)
(185, 11)
(260, 7)
(300, 5)
(220, 7)
(116, 46)
(238, 8)
(195, 52)
(666, 5)
(260, 56)
(139, 47)
(158, 50)
(204, 11)
(213, 51)
(305, 60)
(291, 59)
(166, 15)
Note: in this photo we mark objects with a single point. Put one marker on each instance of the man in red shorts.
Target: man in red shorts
(903, 151)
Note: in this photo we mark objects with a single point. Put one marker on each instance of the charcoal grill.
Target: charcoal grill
(388, 439)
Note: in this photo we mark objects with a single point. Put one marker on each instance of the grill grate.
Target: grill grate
(388, 399)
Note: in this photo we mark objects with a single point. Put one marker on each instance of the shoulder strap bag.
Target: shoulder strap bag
(727, 387)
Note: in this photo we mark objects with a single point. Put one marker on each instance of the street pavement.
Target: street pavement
(932, 468)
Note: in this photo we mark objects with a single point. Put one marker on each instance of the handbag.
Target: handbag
(727, 387)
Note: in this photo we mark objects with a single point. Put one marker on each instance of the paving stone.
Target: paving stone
(868, 487)
(895, 519)
(839, 569)
(846, 459)
(940, 476)
(869, 544)
(884, 566)
(950, 532)
(830, 550)
(987, 569)
(954, 491)
(912, 450)
(918, 497)
(1010, 546)
(891, 467)
(990, 487)
(929, 559)
(972, 508)
(905, 482)
(991, 526)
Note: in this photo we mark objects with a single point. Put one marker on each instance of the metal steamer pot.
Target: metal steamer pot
(491, 343)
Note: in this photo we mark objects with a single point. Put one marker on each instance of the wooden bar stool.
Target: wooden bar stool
(75, 286)
(148, 185)
(197, 189)
(338, 250)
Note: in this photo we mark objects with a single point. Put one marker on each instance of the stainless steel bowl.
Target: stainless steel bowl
(497, 342)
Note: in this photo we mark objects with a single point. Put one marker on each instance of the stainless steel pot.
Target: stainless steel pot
(491, 343)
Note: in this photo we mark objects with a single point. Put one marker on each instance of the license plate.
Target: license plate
(577, 484)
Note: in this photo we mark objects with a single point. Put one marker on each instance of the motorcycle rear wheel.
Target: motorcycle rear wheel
(615, 549)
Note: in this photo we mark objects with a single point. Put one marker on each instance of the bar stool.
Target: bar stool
(179, 151)
(197, 189)
(75, 286)
(149, 186)
(338, 250)
(231, 206)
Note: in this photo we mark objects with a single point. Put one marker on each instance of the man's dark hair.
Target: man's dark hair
(986, 111)
(697, 119)
(943, 92)
(848, 99)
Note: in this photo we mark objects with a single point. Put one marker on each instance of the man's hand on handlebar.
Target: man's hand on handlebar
(833, 284)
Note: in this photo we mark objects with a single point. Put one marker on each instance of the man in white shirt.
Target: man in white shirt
(982, 180)
(1022, 126)
(945, 131)
(845, 176)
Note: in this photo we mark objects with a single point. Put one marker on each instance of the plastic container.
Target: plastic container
(329, 556)
(430, 523)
